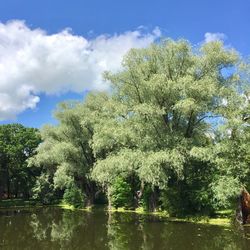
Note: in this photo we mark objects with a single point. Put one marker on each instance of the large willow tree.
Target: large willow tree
(168, 99)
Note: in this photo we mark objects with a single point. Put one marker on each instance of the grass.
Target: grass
(21, 203)
(18, 203)
(64, 205)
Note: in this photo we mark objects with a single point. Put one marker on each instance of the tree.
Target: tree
(17, 144)
(121, 194)
(70, 157)
(166, 99)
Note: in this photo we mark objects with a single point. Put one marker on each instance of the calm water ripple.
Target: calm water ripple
(55, 228)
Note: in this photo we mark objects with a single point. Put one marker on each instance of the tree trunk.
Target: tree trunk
(109, 198)
(16, 191)
(8, 183)
(245, 206)
(1, 190)
(90, 200)
(153, 200)
(90, 193)
(1, 183)
(139, 194)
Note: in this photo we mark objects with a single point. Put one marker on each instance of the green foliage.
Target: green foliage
(182, 200)
(121, 193)
(74, 196)
(17, 144)
(225, 190)
(161, 109)
(44, 189)
(70, 157)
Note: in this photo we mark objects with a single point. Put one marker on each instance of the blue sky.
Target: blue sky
(93, 25)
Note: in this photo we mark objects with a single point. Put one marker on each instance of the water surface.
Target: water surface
(55, 228)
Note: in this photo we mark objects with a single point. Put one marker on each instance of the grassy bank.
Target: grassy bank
(221, 218)
(71, 207)
(18, 203)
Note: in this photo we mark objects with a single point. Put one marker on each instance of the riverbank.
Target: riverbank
(18, 203)
(221, 218)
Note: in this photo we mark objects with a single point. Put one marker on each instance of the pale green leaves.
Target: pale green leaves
(154, 168)
(158, 167)
(63, 176)
(122, 164)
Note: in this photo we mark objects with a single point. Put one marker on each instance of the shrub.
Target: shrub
(74, 196)
(121, 193)
(44, 189)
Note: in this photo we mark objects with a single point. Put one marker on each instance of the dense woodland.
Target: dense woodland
(17, 144)
(172, 133)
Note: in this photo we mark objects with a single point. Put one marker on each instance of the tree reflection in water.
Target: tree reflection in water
(70, 229)
(133, 231)
(54, 228)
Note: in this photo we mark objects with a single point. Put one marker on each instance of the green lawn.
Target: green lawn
(17, 203)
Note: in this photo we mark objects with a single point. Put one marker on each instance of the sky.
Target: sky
(52, 50)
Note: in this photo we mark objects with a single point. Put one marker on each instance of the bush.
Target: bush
(43, 189)
(182, 200)
(74, 196)
(121, 193)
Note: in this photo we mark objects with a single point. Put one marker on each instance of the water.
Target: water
(55, 228)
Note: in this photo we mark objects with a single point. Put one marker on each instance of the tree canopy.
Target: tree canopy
(17, 144)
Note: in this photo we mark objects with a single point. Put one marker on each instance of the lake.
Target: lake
(55, 228)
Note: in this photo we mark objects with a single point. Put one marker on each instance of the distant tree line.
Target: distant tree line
(172, 133)
(17, 144)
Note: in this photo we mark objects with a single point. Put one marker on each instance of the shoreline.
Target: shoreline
(198, 219)
(224, 220)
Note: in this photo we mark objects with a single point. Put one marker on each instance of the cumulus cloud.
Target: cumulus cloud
(211, 37)
(34, 62)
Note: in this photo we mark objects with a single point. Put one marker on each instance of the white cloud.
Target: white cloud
(211, 37)
(34, 62)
